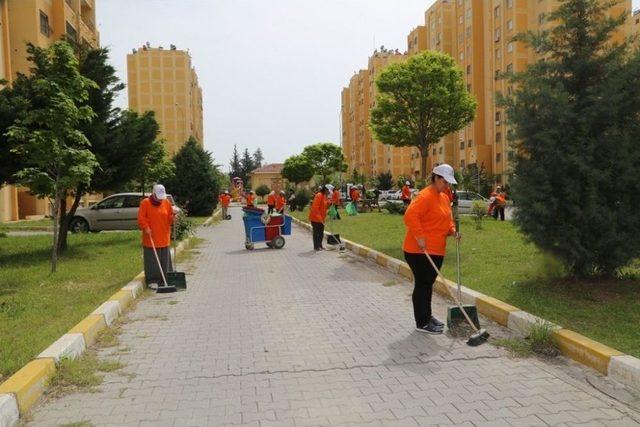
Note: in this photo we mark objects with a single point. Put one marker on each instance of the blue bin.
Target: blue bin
(286, 228)
(253, 228)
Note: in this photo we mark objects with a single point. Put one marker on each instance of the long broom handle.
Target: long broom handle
(158, 260)
(433, 264)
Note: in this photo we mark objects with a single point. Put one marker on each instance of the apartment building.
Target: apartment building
(478, 35)
(41, 22)
(164, 81)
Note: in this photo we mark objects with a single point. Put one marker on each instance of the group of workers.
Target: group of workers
(428, 221)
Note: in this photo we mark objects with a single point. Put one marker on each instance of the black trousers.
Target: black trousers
(424, 276)
(318, 234)
(498, 211)
(270, 210)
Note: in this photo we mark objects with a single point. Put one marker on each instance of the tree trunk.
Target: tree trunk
(424, 154)
(65, 220)
(54, 249)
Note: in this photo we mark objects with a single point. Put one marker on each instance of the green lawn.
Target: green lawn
(198, 220)
(39, 224)
(36, 308)
(498, 262)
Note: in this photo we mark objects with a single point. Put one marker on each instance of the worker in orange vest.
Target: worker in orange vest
(317, 216)
(155, 218)
(336, 200)
(406, 193)
(281, 202)
(429, 222)
(225, 201)
(251, 197)
(271, 202)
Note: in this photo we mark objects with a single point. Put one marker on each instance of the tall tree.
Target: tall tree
(156, 167)
(247, 165)
(236, 167)
(297, 169)
(119, 140)
(325, 158)
(258, 158)
(53, 106)
(576, 137)
(420, 101)
(196, 182)
(384, 181)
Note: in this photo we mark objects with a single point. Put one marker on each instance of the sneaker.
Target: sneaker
(436, 322)
(431, 328)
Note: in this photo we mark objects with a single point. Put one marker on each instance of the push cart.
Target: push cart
(262, 227)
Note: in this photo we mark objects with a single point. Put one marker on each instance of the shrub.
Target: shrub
(541, 339)
(183, 227)
(262, 191)
(395, 208)
(478, 211)
(303, 197)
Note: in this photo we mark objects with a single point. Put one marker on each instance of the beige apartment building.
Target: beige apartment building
(164, 81)
(41, 22)
(478, 35)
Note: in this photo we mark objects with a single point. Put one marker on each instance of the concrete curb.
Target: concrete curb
(606, 360)
(21, 391)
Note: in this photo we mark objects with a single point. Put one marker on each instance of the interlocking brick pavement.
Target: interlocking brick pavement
(296, 338)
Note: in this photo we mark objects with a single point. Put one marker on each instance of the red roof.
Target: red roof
(271, 168)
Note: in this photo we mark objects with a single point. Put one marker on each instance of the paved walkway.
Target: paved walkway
(294, 338)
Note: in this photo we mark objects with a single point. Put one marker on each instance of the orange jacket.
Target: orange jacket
(335, 198)
(280, 202)
(318, 211)
(501, 200)
(159, 220)
(271, 199)
(428, 217)
(354, 193)
(406, 193)
(225, 199)
(250, 198)
(449, 194)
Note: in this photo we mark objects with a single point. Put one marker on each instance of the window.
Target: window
(461, 56)
(497, 33)
(470, 143)
(440, 150)
(509, 4)
(498, 157)
(112, 203)
(498, 116)
(461, 19)
(510, 47)
(498, 53)
(541, 18)
(462, 164)
(510, 90)
(497, 75)
(71, 32)
(434, 151)
(462, 145)
(132, 201)
(510, 25)
(498, 137)
(469, 88)
(45, 29)
(496, 12)
(468, 69)
(509, 68)
(468, 31)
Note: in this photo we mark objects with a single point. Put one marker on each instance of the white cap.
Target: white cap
(159, 192)
(408, 183)
(329, 187)
(445, 171)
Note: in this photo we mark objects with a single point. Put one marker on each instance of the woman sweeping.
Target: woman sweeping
(317, 216)
(428, 221)
(155, 218)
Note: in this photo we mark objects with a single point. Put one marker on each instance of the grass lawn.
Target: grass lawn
(36, 308)
(198, 220)
(498, 262)
(39, 224)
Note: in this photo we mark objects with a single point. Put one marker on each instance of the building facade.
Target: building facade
(478, 35)
(41, 22)
(164, 81)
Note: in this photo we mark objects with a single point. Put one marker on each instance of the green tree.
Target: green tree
(258, 158)
(297, 169)
(236, 166)
(10, 161)
(384, 181)
(53, 106)
(120, 140)
(420, 101)
(247, 165)
(575, 135)
(196, 182)
(262, 191)
(156, 168)
(325, 158)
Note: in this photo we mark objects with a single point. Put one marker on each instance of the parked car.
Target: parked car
(396, 195)
(116, 212)
(465, 201)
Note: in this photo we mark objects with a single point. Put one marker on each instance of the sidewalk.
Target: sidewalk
(295, 338)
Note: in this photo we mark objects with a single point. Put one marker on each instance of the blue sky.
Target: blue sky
(271, 70)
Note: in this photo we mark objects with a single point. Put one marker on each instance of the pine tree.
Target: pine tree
(577, 141)
(258, 158)
(236, 168)
(246, 165)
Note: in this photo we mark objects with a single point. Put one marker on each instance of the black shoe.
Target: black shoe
(431, 328)
(437, 322)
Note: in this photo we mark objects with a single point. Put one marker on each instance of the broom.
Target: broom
(480, 336)
(165, 289)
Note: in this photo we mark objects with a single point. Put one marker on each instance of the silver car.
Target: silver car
(116, 212)
(465, 201)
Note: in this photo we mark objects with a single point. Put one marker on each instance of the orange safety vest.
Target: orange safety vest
(159, 219)
(318, 211)
(428, 217)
